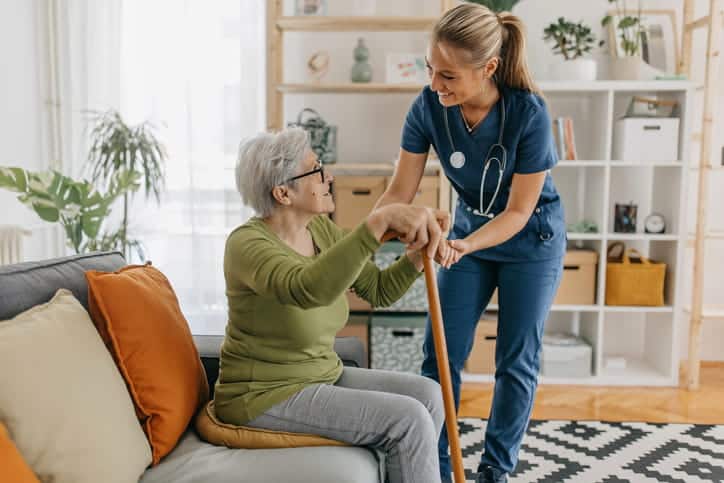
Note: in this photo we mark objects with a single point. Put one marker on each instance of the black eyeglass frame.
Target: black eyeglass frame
(319, 169)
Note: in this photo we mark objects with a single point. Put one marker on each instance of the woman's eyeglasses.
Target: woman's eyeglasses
(319, 169)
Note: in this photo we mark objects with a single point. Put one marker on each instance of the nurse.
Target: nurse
(491, 129)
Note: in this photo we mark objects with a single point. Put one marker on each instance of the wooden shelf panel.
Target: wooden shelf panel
(355, 24)
(349, 88)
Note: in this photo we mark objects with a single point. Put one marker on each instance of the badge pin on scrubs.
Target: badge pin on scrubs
(457, 160)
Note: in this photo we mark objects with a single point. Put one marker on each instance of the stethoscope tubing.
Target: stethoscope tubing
(457, 161)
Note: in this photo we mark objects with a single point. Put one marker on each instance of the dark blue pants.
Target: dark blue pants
(525, 294)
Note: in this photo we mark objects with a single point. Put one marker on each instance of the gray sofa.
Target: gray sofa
(25, 285)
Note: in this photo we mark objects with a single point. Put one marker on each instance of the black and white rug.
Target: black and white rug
(595, 451)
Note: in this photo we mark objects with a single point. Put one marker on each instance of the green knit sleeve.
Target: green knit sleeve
(260, 263)
(380, 288)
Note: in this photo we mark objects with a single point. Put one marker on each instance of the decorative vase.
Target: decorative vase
(361, 70)
(631, 68)
(574, 70)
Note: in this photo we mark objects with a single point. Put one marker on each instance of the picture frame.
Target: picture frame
(660, 42)
(310, 7)
(405, 68)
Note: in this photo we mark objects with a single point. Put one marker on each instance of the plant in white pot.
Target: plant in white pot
(627, 63)
(572, 41)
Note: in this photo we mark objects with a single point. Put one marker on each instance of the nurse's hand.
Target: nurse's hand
(444, 254)
(458, 249)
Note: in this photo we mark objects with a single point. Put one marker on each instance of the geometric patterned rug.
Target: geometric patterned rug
(596, 451)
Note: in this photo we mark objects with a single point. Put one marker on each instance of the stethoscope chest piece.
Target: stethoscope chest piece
(457, 160)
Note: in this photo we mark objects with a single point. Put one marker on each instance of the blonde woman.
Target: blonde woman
(490, 127)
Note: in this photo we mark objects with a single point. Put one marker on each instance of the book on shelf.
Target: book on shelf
(565, 140)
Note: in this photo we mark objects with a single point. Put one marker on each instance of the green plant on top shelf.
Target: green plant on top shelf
(570, 40)
(629, 27)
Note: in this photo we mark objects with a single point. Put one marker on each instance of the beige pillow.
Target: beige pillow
(63, 399)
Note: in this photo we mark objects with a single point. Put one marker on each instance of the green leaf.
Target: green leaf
(91, 225)
(13, 179)
(46, 213)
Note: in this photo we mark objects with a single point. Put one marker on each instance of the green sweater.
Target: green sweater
(285, 310)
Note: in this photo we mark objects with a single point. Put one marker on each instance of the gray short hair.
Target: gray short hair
(265, 161)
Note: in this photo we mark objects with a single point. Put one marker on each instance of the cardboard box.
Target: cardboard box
(482, 357)
(578, 283)
(354, 197)
(428, 193)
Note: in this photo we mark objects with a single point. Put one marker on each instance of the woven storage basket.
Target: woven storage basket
(634, 283)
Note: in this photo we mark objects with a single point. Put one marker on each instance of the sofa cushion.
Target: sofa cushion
(138, 316)
(25, 285)
(215, 432)
(14, 468)
(194, 461)
(63, 399)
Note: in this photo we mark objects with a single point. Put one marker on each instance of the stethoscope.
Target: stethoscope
(457, 161)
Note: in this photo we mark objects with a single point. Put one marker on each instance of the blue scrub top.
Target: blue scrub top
(528, 138)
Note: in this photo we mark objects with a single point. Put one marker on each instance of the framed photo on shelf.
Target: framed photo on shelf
(659, 39)
(406, 69)
(310, 7)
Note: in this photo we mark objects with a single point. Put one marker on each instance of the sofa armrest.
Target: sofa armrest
(350, 350)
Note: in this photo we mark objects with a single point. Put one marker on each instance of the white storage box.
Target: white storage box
(646, 139)
(565, 355)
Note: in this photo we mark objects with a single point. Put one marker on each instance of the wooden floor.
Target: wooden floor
(655, 405)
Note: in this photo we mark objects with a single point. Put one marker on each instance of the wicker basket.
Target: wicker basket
(634, 283)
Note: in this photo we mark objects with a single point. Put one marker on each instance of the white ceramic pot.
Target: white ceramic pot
(631, 68)
(573, 70)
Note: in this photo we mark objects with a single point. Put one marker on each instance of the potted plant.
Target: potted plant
(76, 205)
(117, 147)
(572, 41)
(497, 5)
(628, 29)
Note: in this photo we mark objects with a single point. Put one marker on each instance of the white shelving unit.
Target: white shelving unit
(647, 337)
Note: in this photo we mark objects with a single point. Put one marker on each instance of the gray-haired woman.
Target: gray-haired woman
(286, 272)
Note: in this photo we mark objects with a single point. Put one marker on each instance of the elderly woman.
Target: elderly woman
(287, 272)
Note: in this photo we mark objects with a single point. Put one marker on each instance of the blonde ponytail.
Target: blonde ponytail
(484, 35)
(513, 70)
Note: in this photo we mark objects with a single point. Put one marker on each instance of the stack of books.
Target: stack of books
(564, 138)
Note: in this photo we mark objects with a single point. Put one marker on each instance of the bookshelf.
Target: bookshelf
(648, 337)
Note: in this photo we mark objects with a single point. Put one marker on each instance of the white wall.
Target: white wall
(22, 134)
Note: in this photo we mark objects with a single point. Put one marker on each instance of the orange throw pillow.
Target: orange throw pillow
(13, 469)
(138, 317)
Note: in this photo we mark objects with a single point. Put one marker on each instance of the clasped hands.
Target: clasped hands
(419, 227)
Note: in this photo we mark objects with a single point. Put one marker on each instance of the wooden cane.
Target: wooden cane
(443, 369)
(443, 365)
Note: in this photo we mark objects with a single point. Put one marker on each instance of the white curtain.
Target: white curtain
(194, 68)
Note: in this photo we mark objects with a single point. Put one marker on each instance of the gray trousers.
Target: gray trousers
(397, 413)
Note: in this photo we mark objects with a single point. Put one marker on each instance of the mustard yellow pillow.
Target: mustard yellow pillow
(215, 432)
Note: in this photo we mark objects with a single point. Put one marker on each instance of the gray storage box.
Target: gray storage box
(565, 355)
(396, 342)
(415, 300)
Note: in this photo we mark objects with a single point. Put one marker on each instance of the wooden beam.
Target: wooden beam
(349, 88)
(686, 40)
(275, 57)
(355, 24)
(710, 82)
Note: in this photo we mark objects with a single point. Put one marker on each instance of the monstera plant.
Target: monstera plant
(76, 205)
